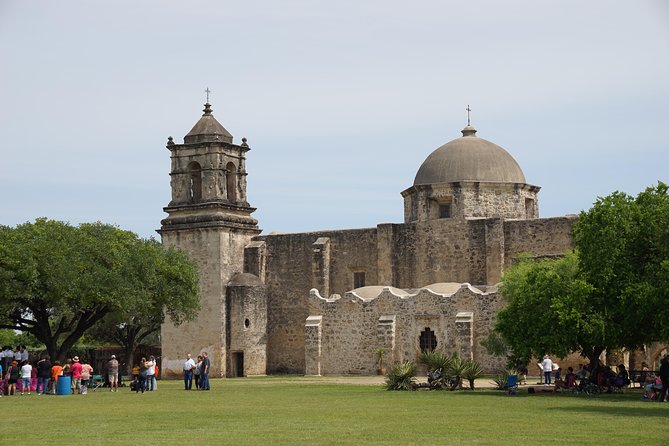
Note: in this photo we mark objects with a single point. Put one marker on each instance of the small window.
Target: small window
(428, 341)
(231, 181)
(358, 279)
(194, 182)
(445, 210)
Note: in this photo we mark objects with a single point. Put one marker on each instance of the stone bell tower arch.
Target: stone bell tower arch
(210, 219)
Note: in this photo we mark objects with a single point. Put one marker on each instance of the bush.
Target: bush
(435, 360)
(472, 370)
(401, 376)
(447, 372)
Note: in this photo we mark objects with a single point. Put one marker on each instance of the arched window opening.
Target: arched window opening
(428, 341)
(231, 181)
(194, 181)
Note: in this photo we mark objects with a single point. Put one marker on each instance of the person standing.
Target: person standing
(56, 371)
(112, 373)
(75, 371)
(189, 365)
(204, 372)
(43, 374)
(86, 372)
(151, 373)
(142, 375)
(557, 369)
(196, 372)
(12, 376)
(664, 377)
(26, 372)
(547, 367)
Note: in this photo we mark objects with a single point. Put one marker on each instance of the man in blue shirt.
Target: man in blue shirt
(204, 372)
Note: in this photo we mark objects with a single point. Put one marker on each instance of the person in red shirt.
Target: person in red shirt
(75, 370)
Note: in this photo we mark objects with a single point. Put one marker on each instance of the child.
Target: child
(134, 385)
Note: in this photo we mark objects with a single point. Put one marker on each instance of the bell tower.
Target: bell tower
(209, 218)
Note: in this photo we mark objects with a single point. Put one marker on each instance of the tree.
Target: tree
(169, 287)
(623, 244)
(611, 293)
(548, 310)
(57, 281)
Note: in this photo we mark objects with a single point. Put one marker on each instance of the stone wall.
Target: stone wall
(444, 250)
(247, 326)
(217, 253)
(468, 199)
(349, 330)
(406, 256)
(293, 268)
(538, 237)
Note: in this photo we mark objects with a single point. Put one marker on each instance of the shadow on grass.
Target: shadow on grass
(649, 410)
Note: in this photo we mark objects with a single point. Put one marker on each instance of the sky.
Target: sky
(341, 101)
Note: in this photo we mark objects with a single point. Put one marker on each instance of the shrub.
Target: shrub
(401, 376)
(472, 370)
(435, 360)
(444, 371)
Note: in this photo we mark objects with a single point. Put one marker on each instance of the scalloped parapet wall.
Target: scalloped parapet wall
(370, 293)
(352, 327)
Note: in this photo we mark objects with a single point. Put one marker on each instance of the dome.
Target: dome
(208, 129)
(469, 158)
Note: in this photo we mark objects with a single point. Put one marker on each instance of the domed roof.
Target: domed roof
(208, 129)
(469, 158)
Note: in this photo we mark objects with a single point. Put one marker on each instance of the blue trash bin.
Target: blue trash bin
(63, 386)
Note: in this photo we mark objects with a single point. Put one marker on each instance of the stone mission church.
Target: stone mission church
(321, 303)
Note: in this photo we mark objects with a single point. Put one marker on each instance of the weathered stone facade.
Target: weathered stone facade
(468, 216)
(353, 327)
(210, 219)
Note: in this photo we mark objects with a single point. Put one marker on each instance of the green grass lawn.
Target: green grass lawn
(296, 410)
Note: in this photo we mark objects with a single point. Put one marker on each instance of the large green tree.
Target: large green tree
(623, 244)
(612, 292)
(57, 280)
(549, 310)
(162, 274)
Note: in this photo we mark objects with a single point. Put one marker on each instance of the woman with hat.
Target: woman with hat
(75, 370)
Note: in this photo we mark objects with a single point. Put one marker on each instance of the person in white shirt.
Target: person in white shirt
(26, 372)
(547, 367)
(189, 365)
(151, 373)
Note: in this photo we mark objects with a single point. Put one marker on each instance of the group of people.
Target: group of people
(144, 375)
(42, 376)
(656, 385)
(198, 371)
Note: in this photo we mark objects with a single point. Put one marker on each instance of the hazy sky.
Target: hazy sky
(341, 101)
